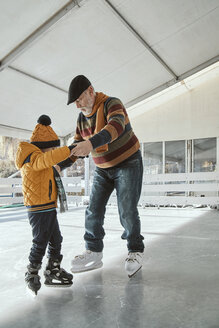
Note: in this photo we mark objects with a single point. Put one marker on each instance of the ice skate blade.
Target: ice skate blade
(59, 285)
(85, 269)
(32, 293)
(131, 275)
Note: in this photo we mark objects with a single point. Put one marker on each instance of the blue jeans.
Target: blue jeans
(45, 231)
(126, 178)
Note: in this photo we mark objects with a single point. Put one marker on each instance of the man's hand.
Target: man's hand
(82, 148)
(57, 168)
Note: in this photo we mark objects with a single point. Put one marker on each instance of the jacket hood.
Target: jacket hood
(24, 150)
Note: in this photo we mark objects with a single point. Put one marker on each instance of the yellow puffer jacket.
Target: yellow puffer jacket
(38, 183)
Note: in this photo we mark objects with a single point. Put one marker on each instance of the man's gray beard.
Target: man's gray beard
(86, 114)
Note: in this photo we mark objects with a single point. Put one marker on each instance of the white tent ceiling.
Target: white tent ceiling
(130, 49)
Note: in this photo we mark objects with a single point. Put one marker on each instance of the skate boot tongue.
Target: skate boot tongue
(133, 263)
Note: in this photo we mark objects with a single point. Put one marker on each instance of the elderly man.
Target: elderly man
(104, 130)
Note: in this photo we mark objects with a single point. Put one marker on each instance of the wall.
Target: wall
(194, 114)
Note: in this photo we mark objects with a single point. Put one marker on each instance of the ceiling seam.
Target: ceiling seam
(14, 128)
(29, 40)
(184, 27)
(173, 81)
(36, 78)
(138, 36)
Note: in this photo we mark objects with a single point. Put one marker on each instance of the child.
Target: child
(40, 189)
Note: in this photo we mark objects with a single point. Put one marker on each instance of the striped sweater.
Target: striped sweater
(117, 133)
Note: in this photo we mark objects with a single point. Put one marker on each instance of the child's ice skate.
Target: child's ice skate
(56, 276)
(32, 278)
(133, 263)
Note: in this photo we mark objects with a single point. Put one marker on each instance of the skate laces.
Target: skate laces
(34, 276)
(132, 257)
(83, 255)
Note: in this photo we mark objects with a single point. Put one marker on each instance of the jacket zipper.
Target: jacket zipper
(50, 189)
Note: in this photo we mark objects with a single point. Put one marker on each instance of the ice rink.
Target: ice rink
(178, 286)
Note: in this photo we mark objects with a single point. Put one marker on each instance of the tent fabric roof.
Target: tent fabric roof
(128, 49)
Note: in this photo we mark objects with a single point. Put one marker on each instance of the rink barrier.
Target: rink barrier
(178, 189)
(198, 188)
(11, 190)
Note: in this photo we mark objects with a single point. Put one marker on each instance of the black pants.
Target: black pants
(45, 231)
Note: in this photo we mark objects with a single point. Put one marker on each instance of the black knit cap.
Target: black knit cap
(78, 85)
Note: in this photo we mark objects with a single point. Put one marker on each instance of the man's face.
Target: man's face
(86, 101)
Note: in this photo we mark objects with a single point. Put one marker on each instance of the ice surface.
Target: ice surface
(178, 286)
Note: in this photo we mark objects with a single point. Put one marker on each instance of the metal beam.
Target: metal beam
(173, 81)
(26, 43)
(151, 93)
(14, 128)
(37, 79)
(137, 35)
(199, 68)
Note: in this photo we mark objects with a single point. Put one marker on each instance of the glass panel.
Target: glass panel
(77, 169)
(8, 149)
(175, 156)
(204, 155)
(92, 167)
(152, 157)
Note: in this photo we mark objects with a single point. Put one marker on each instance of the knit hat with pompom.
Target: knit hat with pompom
(43, 135)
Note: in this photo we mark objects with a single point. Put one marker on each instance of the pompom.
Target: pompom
(44, 120)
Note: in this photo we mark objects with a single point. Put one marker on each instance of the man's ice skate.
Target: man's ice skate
(87, 261)
(56, 276)
(32, 278)
(133, 263)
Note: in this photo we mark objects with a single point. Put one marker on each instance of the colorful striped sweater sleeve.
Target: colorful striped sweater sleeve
(117, 133)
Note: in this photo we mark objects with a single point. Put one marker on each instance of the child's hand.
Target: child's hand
(71, 153)
(82, 148)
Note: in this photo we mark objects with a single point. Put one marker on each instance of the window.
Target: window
(152, 157)
(175, 156)
(204, 155)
